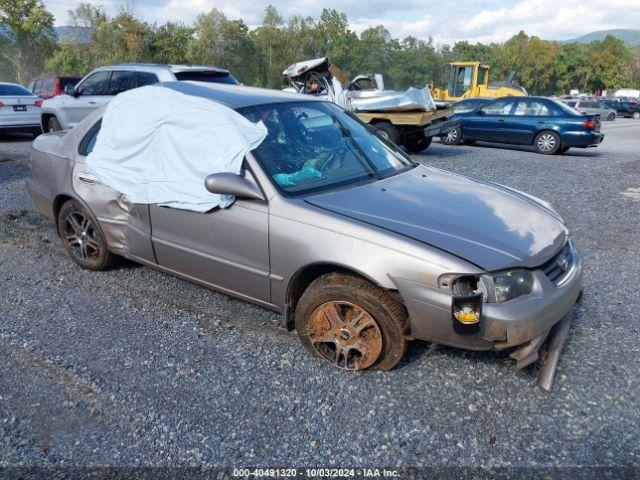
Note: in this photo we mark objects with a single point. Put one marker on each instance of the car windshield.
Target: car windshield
(317, 146)
(14, 91)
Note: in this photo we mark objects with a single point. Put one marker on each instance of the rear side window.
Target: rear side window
(499, 107)
(64, 81)
(49, 86)
(121, 82)
(96, 84)
(207, 76)
(14, 91)
(89, 140)
(531, 108)
(144, 78)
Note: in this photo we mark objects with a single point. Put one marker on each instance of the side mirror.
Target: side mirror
(479, 111)
(70, 90)
(232, 184)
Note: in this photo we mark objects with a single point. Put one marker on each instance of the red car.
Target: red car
(49, 87)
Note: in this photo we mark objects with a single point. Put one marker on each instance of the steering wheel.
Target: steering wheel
(330, 160)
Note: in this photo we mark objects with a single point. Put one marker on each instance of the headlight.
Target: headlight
(507, 285)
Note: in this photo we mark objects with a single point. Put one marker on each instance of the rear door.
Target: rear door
(530, 116)
(489, 123)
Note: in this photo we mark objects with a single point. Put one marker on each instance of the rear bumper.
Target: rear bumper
(582, 139)
(22, 127)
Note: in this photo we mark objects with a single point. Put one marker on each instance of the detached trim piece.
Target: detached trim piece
(557, 337)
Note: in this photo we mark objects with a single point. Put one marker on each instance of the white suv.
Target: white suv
(97, 88)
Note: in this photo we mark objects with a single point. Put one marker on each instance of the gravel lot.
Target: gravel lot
(133, 367)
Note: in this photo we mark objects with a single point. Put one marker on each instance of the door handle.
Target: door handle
(542, 122)
(93, 103)
(86, 178)
(501, 120)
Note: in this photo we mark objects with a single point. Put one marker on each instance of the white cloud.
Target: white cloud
(446, 22)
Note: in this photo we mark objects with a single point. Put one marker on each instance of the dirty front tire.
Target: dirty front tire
(81, 237)
(351, 323)
(388, 131)
(417, 143)
(54, 124)
(547, 142)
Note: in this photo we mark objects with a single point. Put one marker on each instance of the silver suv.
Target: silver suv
(65, 111)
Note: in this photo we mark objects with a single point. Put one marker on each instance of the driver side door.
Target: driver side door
(90, 94)
(227, 249)
(490, 123)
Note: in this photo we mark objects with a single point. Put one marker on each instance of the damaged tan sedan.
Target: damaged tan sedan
(358, 247)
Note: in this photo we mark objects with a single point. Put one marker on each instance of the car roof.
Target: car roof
(162, 66)
(236, 96)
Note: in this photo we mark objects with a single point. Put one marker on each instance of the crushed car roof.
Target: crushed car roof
(236, 96)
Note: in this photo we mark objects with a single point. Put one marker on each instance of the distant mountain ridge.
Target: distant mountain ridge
(73, 34)
(629, 36)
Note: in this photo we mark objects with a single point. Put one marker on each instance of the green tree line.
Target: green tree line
(28, 47)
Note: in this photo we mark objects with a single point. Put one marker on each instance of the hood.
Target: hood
(486, 224)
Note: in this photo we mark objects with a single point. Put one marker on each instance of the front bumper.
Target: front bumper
(503, 325)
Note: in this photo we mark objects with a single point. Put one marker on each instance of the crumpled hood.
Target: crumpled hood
(487, 224)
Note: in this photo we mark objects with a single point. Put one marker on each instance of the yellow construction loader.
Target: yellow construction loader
(471, 79)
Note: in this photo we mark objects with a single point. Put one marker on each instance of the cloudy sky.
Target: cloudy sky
(445, 21)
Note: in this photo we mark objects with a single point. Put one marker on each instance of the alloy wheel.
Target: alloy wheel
(546, 142)
(452, 136)
(80, 234)
(345, 335)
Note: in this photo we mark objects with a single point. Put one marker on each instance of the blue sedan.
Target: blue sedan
(550, 126)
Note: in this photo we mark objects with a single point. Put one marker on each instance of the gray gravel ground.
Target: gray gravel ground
(133, 367)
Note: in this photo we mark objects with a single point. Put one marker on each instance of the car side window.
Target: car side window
(536, 109)
(499, 107)
(145, 78)
(121, 82)
(49, 86)
(96, 84)
(37, 88)
(89, 140)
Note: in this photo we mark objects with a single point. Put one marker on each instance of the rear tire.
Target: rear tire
(81, 237)
(547, 142)
(54, 124)
(636, 115)
(351, 323)
(388, 131)
(417, 143)
(453, 137)
(611, 117)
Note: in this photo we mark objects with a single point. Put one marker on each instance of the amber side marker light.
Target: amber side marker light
(466, 312)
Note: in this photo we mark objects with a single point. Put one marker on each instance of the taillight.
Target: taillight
(57, 90)
(589, 124)
(38, 103)
(1, 104)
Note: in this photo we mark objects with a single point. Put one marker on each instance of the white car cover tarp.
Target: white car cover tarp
(157, 146)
